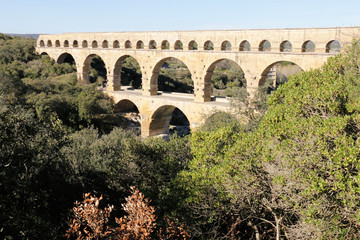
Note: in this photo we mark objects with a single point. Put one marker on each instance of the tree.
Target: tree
(139, 223)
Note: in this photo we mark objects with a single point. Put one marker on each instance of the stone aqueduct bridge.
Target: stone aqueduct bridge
(255, 51)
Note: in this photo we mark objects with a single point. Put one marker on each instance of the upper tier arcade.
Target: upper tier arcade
(255, 51)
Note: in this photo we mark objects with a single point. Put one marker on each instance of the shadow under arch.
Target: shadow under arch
(163, 117)
(277, 73)
(177, 86)
(93, 61)
(125, 106)
(66, 58)
(210, 72)
(133, 77)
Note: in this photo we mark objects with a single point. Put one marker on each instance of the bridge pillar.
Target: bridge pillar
(113, 83)
(252, 81)
(82, 76)
(150, 84)
(202, 91)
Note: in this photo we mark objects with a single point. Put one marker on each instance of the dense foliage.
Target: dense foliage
(290, 171)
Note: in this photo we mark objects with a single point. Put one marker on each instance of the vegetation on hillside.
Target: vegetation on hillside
(290, 172)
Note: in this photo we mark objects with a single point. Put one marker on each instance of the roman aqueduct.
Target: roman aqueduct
(255, 51)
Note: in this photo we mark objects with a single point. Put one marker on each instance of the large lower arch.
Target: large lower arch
(89, 63)
(125, 105)
(66, 58)
(161, 118)
(277, 73)
(210, 85)
(117, 79)
(179, 86)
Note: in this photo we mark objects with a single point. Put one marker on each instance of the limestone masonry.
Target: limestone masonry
(255, 51)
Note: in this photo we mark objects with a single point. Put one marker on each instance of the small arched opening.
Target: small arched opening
(49, 43)
(66, 43)
(94, 70)
(116, 44)
(333, 47)
(308, 46)
(245, 46)
(140, 45)
(286, 46)
(193, 45)
(277, 74)
(105, 44)
(75, 44)
(42, 43)
(152, 44)
(94, 44)
(57, 43)
(265, 46)
(172, 75)
(208, 45)
(225, 46)
(178, 45)
(84, 44)
(128, 44)
(226, 79)
(165, 45)
(127, 72)
(167, 120)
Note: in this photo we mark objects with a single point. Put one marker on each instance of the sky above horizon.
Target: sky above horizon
(52, 17)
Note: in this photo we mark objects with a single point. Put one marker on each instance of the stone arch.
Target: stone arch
(308, 46)
(87, 66)
(156, 71)
(66, 43)
(105, 44)
(245, 46)
(225, 46)
(84, 44)
(286, 46)
(152, 44)
(66, 57)
(333, 47)
(178, 45)
(75, 44)
(265, 46)
(45, 54)
(208, 45)
(128, 44)
(49, 43)
(140, 45)
(117, 71)
(160, 120)
(116, 44)
(193, 45)
(57, 43)
(125, 105)
(165, 45)
(270, 68)
(42, 43)
(210, 72)
(94, 44)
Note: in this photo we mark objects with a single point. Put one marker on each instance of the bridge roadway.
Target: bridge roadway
(156, 111)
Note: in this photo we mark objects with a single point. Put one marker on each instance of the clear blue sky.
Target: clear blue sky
(58, 16)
